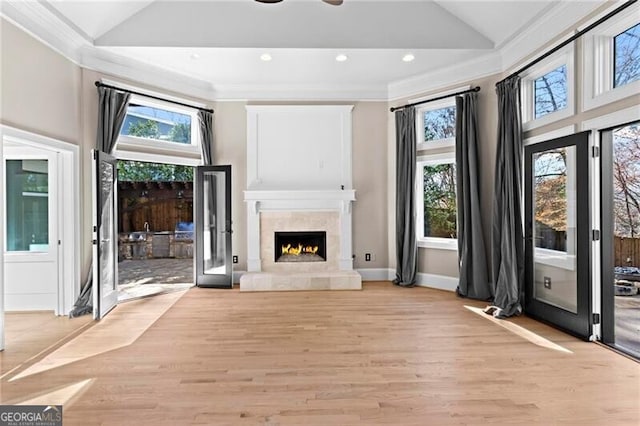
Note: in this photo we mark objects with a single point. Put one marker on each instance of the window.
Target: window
(436, 209)
(27, 186)
(436, 125)
(547, 91)
(436, 203)
(155, 123)
(158, 128)
(626, 56)
(439, 196)
(551, 91)
(612, 60)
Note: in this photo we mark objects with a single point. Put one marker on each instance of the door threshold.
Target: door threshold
(619, 351)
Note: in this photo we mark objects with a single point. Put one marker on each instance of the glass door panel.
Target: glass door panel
(621, 238)
(557, 232)
(554, 204)
(105, 274)
(213, 226)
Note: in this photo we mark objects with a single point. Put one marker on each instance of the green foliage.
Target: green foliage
(181, 133)
(440, 211)
(144, 129)
(137, 171)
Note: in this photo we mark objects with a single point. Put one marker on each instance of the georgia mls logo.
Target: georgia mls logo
(30, 415)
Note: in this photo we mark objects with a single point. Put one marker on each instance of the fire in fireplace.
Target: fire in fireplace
(300, 246)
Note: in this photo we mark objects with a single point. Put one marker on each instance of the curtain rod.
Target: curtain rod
(570, 40)
(473, 89)
(100, 84)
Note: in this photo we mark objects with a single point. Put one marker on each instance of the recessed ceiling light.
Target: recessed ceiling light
(408, 57)
(195, 56)
(266, 57)
(341, 57)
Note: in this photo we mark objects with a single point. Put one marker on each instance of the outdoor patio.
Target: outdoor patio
(148, 277)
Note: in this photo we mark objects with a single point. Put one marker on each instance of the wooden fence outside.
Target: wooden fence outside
(626, 251)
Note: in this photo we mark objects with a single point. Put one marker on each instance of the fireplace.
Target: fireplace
(300, 246)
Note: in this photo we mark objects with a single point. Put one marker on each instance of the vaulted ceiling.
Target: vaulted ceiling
(220, 43)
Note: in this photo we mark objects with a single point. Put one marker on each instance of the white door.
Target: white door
(105, 234)
(31, 240)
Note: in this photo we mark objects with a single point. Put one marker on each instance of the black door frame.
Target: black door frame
(203, 279)
(580, 323)
(607, 273)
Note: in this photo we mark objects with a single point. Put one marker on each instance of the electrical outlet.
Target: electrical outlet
(367, 257)
(235, 259)
(547, 282)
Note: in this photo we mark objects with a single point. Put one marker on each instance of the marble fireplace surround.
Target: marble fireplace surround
(271, 211)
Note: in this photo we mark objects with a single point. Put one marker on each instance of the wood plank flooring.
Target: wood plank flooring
(385, 355)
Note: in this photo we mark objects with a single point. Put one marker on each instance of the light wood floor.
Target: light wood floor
(386, 355)
(31, 334)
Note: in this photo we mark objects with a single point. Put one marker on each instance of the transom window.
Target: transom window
(551, 91)
(547, 90)
(158, 128)
(436, 125)
(155, 123)
(626, 56)
(612, 60)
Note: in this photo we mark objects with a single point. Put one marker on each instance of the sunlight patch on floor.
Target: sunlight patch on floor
(61, 396)
(122, 327)
(520, 331)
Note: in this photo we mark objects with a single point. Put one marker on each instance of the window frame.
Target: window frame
(564, 56)
(432, 242)
(598, 62)
(421, 144)
(128, 143)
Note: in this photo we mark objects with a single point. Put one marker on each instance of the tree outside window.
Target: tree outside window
(551, 92)
(440, 123)
(626, 65)
(626, 181)
(439, 197)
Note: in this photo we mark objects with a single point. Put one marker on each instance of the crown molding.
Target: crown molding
(37, 20)
(558, 20)
(464, 72)
(293, 92)
(106, 62)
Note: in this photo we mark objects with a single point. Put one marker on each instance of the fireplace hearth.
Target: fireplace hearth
(300, 246)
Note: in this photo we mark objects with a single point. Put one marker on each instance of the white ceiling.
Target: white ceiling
(219, 42)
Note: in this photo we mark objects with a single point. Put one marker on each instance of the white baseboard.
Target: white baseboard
(374, 274)
(440, 282)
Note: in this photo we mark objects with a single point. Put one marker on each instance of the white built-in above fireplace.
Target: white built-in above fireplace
(299, 182)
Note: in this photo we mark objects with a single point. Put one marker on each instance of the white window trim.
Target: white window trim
(133, 143)
(564, 56)
(431, 242)
(421, 144)
(598, 60)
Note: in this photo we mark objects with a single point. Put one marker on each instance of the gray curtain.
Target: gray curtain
(112, 109)
(507, 244)
(474, 279)
(406, 245)
(206, 131)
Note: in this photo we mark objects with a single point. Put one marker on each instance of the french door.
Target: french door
(105, 235)
(620, 225)
(213, 227)
(558, 234)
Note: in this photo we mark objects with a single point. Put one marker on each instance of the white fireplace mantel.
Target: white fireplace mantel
(320, 200)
